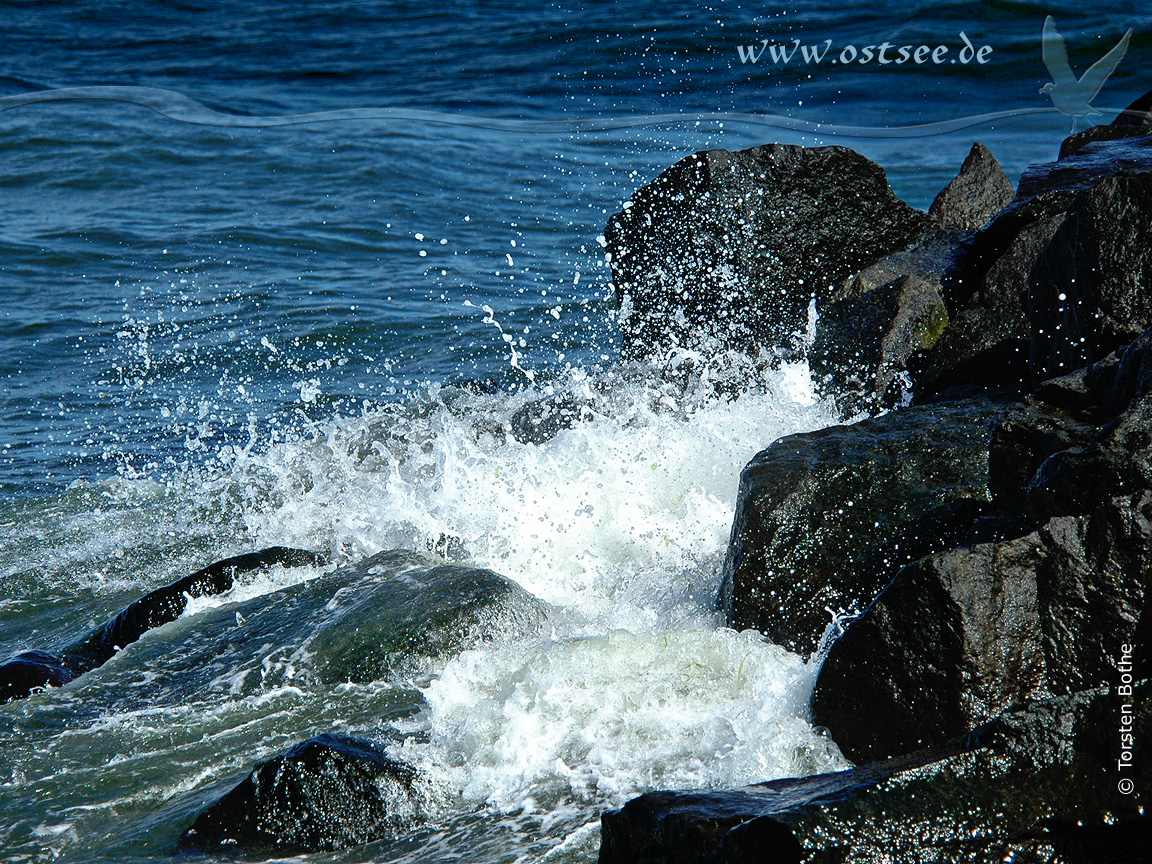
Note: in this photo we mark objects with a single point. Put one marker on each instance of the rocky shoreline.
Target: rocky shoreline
(987, 526)
(981, 525)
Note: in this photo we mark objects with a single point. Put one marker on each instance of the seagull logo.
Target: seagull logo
(1070, 95)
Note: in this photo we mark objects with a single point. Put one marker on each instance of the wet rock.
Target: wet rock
(988, 339)
(1014, 310)
(1023, 442)
(864, 341)
(971, 647)
(962, 635)
(543, 419)
(35, 670)
(378, 629)
(876, 320)
(728, 249)
(1038, 784)
(329, 792)
(814, 510)
(975, 195)
(1134, 120)
(1087, 291)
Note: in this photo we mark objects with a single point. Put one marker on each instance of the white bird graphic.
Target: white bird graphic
(1069, 95)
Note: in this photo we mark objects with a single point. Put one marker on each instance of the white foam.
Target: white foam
(629, 507)
(605, 718)
(620, 522)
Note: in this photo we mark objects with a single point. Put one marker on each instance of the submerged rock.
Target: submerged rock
(975, 195)
(821, 517)
(1042, 783)
(377, 630)
(34, 670)
(329, 792)
(728, 249)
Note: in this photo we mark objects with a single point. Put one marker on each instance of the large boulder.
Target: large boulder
(1056, 281)
(965, 632)
(329, 792)
(728, 249)
(824, 520)
(1042, 783)
(961, 636)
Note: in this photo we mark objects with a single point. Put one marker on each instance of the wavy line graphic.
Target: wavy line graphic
(176, 106)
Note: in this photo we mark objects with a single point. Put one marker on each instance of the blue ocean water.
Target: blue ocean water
(206, 320)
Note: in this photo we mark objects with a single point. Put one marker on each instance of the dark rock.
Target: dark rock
(381, 630)
(953, 640)
(988, 339)
(1088, 290)
(30, 671)
(541, 420)
(813, 509)
(876, 320)
(1134, 120)
(728, 249)
(1022, 442)
(1038, 784)
(329, 792)
(1084, 218)
(960, 636)
(975, 195)
(34, 670)
(168, 603)
(1116, 380)
(1050, 465)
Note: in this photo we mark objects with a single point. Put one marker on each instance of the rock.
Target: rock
(988, 339)
(963, 629)
(1081, 218)
(168, 603)
(1121, 377)
(1134, 120)
(1088, 290)
(876, 320)
(30, 671)
(541, 420)
(960, 636)
(815, 510)
(975, 195)
(329, 792)
(34, 670)
(728, 249)
(382, 630)
(1022, 443)
(1038, 784)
